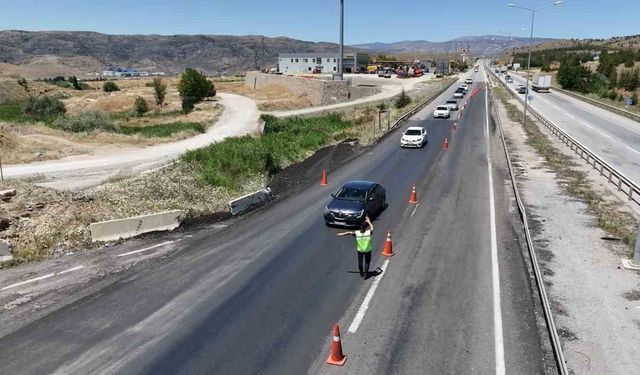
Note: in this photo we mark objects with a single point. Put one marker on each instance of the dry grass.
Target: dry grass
(46, 223)
(269, 98)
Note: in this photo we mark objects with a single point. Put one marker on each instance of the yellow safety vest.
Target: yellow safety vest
(363, 241)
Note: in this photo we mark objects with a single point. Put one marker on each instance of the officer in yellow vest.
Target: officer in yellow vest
(363, 245)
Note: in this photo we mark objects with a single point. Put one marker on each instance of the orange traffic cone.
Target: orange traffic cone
(388, 246)
(323, 181)
(455, 125)
(336, 357)
(413, 197)
(445, 145)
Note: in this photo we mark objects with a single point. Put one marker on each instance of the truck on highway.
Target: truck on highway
(541, 82)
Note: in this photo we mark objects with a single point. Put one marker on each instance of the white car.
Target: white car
(442, 111)
(458, 95)
(415, 136)
(465, 87)
(468, 81)
(452, 104)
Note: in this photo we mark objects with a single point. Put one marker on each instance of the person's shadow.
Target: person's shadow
(374, 273)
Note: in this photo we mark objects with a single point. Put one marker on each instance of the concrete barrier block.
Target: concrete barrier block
(5, 251)
(250, 201)
(113, 230)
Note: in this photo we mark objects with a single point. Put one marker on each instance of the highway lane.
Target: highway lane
(613, 137)
(433, 313)
(257, 297)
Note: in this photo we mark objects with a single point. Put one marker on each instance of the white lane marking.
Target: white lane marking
(365, 304)
(571, 116)
(633, 149)
(414, 209)
(497, 308)
(604, 134)
(40, 278)
(71, 270)
(146, 248)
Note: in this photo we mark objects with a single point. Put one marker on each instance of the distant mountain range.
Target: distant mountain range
(487, 45)
(46, 53)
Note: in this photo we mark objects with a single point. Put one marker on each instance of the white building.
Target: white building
(323, 62)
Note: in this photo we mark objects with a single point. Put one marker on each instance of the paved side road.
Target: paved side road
(240, 117)
(260, 296)
(614, 138)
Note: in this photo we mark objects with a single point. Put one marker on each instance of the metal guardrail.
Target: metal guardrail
(551, 326)
(597, 103)
(422, 104)
(623, 183)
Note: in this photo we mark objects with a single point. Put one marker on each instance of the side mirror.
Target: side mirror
(333, 195)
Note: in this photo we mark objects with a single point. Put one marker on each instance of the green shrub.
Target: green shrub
(63, 84)
(86, 122)
(110, 86)
(163, 130)
(193, 87)
(403, 100)
(140, 107)
(634, 98)
(285, 140)
(613, 95)
(44, 108)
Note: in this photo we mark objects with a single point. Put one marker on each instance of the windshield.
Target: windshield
(351, 194)
(451, 102)
(413, 132)
(441, 108)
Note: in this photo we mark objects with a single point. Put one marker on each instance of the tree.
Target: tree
(140, 106)
(613, 79)
(634, 98)
(110, 86)
(193, 87)
(73, 80)
(573, 76)
(22, 82)
(159, 91)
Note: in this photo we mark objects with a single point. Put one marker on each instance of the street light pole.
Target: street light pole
(340, 63)
(533, 15)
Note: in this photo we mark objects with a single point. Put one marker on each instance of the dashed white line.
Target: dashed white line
(571, 116)
(357, 320)
(495, 276)
(41, 278)
(414, 209)
(633, 149)
(146, 248)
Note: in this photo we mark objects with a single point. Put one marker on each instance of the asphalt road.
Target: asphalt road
(614, 138)
(261, 296)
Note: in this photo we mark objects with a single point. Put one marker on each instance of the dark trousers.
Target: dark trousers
(367, 261)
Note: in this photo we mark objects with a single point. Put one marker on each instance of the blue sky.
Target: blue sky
(316, 20)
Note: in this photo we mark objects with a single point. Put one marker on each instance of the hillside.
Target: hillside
(81, 51)
(488, 45)
(615, 43)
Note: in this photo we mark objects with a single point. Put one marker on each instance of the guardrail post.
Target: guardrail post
(636, 253)
(610, 175)
(619, 183)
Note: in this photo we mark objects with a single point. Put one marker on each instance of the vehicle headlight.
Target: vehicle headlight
(360, 213)
(326, 210)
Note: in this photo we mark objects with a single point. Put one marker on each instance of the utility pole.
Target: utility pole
(340, 63)
(533, 16)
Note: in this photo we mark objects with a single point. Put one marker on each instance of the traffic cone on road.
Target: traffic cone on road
(388, 246)
(323, 181)
(445, 145)
(336, 357)
(455, 125)
(413, 197)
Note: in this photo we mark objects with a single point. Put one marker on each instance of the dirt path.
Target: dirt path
(240, 117)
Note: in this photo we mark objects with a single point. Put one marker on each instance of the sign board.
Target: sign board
(516, 66)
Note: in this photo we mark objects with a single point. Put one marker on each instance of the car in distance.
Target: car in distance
(441, 111)
(452, 104)
(415, 136)
(465, 87)
(458, 95)
(509, 80)
(353, 202)
(468, 81)
(522, 89)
